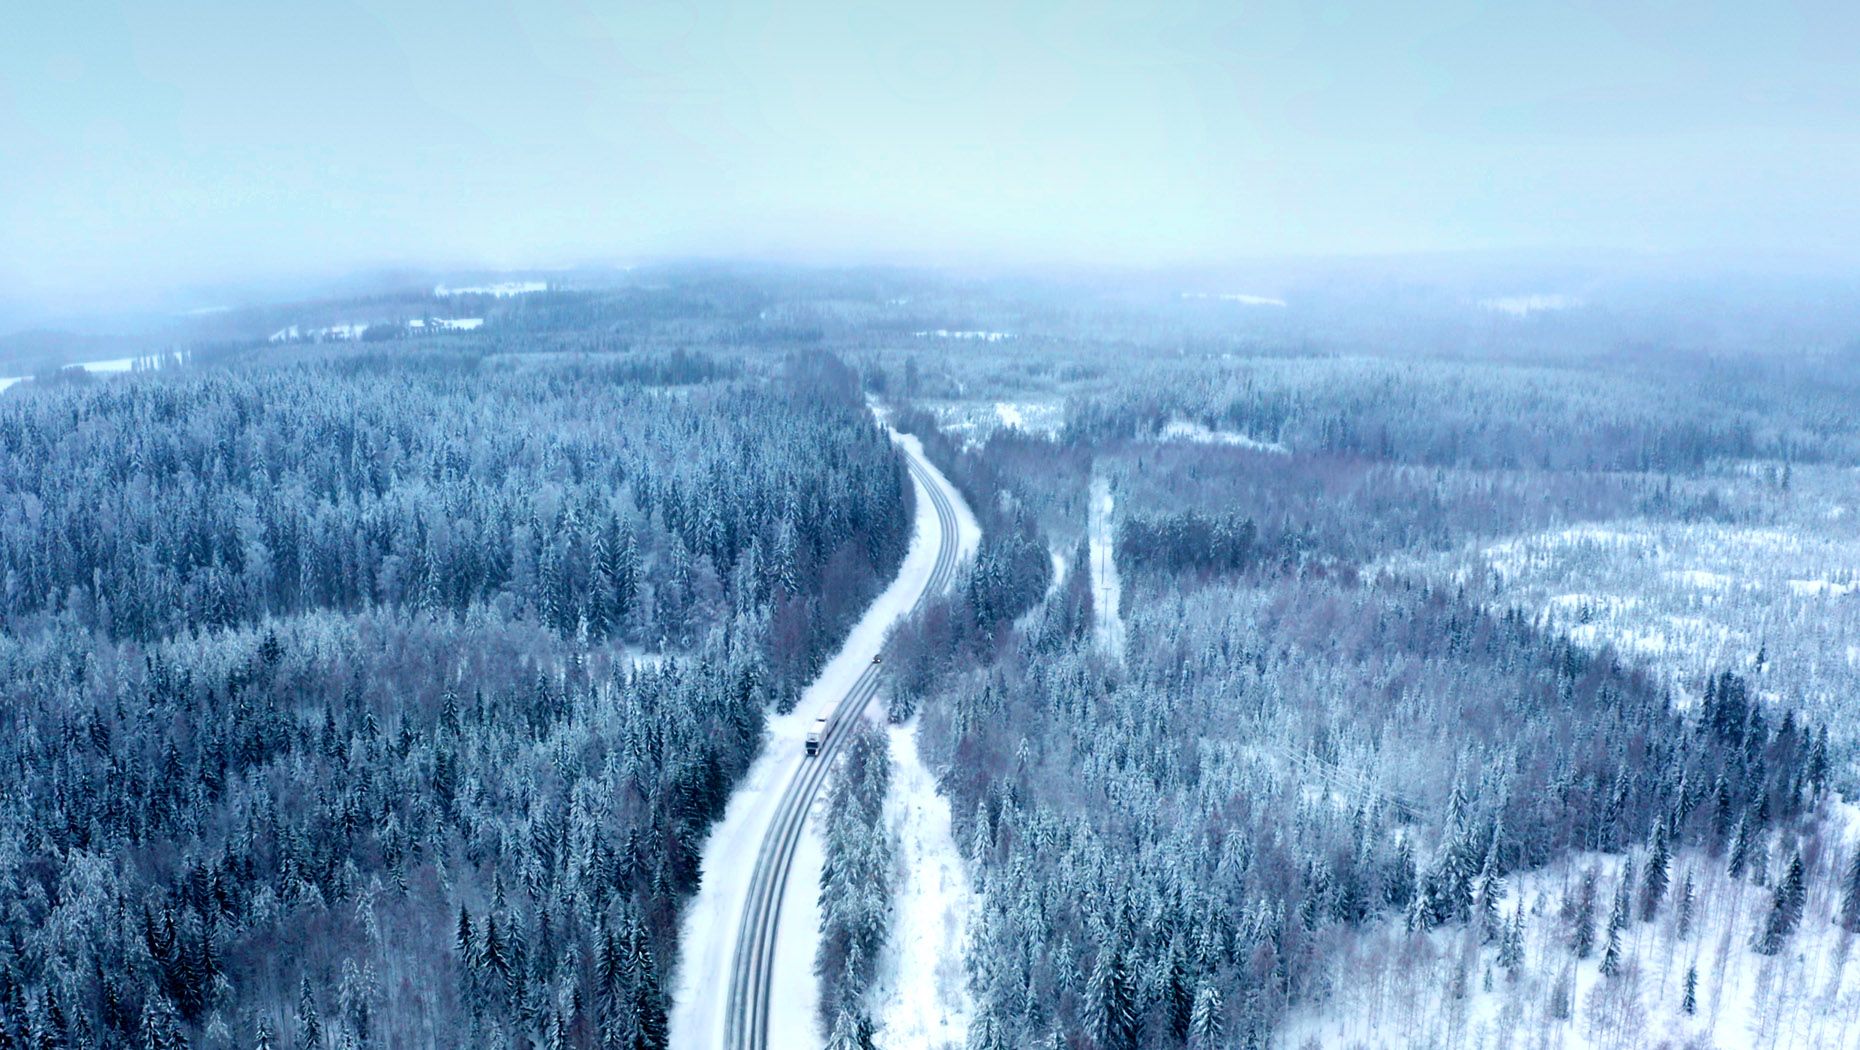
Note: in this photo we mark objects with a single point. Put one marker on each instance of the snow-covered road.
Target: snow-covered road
(737, 883)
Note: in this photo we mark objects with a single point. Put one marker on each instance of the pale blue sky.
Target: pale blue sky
(153, 145)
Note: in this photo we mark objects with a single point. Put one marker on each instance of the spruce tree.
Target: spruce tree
(1611, 953)
(309, 1026)
(1511, 944)
(1581, 914)
(1849, 917)
(1740, 849)
(1205, 1025)
(1690, 1004)
(1786, 903)
(1654, 879)
(1111, 1002)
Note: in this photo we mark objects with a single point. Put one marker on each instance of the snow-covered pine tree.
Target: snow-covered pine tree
(1511, 944)
(1654, 879)
(1786, 904)
(1205, 1024)
(1849, 916)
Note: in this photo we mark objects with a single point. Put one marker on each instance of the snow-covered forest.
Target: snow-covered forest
(1427, 663)
(1297, 692)
(381, 701)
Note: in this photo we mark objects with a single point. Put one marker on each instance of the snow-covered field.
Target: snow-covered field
(1243, 298)
(501, 290)
(1447, 989)
(708, 931)
(335, 332)
(112, 366)
(350, 332)
(1191, 432)
(975, 421)
(1526, 305)
(969, 334)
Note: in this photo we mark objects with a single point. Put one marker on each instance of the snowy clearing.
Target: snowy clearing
(1526, 305)
(1243, 298)
(111, 366)
(1191, 432)
(981, 336)
(1107, 589)
(338, 332)
(1692, 599)
(501, 290)
(921, 994)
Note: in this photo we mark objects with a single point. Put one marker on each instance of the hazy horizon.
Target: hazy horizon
(154, 150)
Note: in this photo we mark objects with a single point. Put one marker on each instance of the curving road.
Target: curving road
(774, 833)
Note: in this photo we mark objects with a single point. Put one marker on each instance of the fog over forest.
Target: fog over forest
(1090, 528)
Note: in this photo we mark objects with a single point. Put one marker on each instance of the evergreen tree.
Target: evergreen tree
(309, 1027)
(1740, 848)
(1205, 1024)
(1611, 952)
(1690, 1004)
(1511, 944)
(1786, 904)
(1580, 916)
(1687, 903)
(1112, 1002)
(1849, 916)
(1655, 876)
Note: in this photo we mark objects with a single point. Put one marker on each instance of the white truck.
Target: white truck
(816, 736)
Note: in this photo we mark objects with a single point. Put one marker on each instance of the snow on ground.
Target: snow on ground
(1242, 298)
(112, 366)
(707, 935)
(1107, 589)
(350, 332)
(980, 336)
(1396, 989)
(1196, 433)
(1828, 588)
(501, 290)
(1526, 305)
(920, 998)
(293, 333)
(975, 421)
(1694, 598)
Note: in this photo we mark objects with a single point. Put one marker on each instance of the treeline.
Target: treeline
(1187, 542)
(320, 810)
(855, 887)
(1478, 414)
